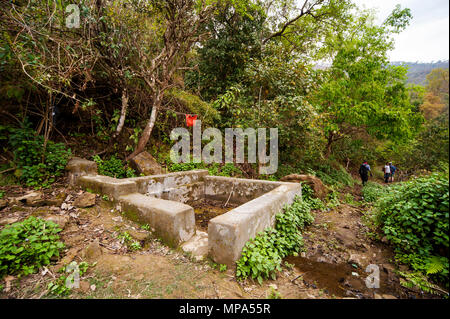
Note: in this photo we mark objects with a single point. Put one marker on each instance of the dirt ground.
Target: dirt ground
(337, 253)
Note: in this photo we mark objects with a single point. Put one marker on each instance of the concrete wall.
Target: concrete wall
(241, 190)
(228, 233)
(78, 167)
(182, 187)
(173, 222)
(159, 200)
(106, 185)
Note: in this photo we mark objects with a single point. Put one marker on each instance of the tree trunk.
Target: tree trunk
(329, 144)
(123, 113)
(148, 129)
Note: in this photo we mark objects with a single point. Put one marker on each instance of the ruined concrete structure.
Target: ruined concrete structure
(162, 201)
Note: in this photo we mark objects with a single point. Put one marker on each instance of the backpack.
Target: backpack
(363, 170)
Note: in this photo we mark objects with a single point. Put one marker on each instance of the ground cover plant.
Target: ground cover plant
(262, 256)
(28, 245)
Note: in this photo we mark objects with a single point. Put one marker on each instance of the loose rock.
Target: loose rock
(145, 164)
(85, 200)
(60, 220)
(8, 220)
(3, 203)
(92, 251)
(31, 199)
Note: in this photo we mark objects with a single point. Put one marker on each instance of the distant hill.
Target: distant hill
(417, 71)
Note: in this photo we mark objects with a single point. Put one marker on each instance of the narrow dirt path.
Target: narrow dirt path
(339, 250)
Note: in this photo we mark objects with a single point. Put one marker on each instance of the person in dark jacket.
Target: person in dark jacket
(393, 169)
(364, 171)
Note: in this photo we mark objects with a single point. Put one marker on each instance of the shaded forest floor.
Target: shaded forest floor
(337, 244)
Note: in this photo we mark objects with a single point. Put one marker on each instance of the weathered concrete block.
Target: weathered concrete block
(78, 167)
(241, 190)
(174, 222)
(178, 186)
(112, 187)
(145, 164)
(228, 233)
(197, 245)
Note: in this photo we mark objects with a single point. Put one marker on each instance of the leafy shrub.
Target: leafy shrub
(309, 197)
(125, 238)
(181, 167)
(113, 167)
(261, 256)
(333, 198)
(37, 166)
(414, 217)
(372, 191)
(332, 176)
(25, 246)
(215, 169)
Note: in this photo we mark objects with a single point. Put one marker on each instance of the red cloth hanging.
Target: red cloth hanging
(190, 119)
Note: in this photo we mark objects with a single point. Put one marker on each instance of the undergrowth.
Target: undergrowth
(262, 256)
(414, 217)
(215, 169)
(372, 191)
(36, 163)
(28, 245)
(113, 167)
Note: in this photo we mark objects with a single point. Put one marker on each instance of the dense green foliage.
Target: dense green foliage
(28, 245)
(262, 256)
(113, 167)
(414, 217)
(215, 169)
(247, 64)
(37, 162)
(373, 191)
(132, 70)
(309, 198)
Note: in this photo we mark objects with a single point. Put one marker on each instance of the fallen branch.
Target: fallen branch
(7, 170)
(232, 190)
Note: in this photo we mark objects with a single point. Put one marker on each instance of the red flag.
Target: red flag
(190, 119)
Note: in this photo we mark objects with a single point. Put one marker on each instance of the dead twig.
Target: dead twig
(7, 170)
(232, 190)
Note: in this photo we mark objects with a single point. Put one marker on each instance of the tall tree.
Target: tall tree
(175, 26)
(362, 92)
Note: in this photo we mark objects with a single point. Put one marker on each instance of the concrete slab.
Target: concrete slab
(106, 185)
(228, 233)
(78, 167)
(197, 245)
(178, 186)
(174, 222)
(242, 190)
(159, 200)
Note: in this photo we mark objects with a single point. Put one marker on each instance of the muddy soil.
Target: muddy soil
(205, 210)
(339, 250)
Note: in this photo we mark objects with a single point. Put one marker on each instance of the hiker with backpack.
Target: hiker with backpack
(364, 171)
(387, 172)
(393, 169)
